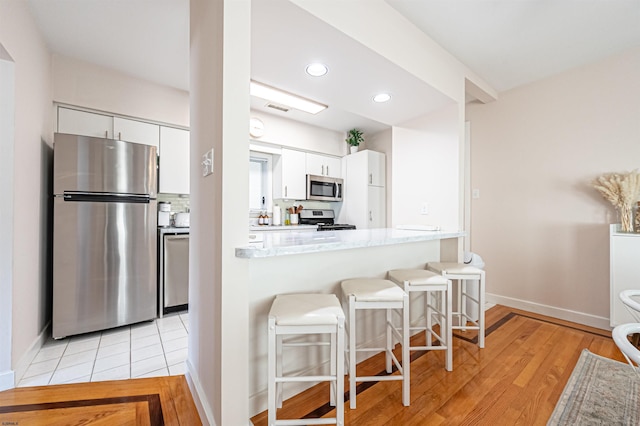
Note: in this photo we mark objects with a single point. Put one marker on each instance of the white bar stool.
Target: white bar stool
(375, 293)
(437, 302)
(463, 272)
(293, 314)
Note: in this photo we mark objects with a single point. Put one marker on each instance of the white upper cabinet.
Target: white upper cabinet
(84, 123)
(289, 177)
(324, 165)
(136, 131)
(98, 125)
(376, 172)
(174, 161)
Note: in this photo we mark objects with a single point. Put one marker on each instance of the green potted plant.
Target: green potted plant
(354, 138)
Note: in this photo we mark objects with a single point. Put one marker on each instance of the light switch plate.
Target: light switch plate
(207, 163)
(475, 194)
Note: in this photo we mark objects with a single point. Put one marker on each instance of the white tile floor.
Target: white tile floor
(149, 349)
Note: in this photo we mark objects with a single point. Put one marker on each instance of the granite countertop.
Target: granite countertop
(284, 243)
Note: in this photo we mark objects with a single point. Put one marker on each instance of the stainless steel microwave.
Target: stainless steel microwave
(323, 188)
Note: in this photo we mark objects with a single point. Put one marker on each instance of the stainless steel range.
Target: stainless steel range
(324, 218)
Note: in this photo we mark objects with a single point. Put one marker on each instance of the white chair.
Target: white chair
(466, 274)
(303, 314)
(374, 293)
(436, 290)
(633, 307)
(631, 353)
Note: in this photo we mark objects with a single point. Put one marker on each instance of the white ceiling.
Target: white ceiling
(508, 43)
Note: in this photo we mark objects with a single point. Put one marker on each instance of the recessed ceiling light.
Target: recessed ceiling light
(381, 97)
(283, 98)
(317, 69)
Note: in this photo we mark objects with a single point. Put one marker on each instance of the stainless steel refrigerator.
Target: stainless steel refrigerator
(104, 234)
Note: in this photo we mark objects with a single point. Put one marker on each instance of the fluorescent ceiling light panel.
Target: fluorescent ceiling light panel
(287, 99)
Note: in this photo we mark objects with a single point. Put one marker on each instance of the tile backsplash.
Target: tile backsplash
(179, 203)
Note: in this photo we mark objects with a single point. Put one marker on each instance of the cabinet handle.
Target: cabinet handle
(370, 178)
(327, 170)
(370, 216)
(285, 190)
(106, 134)
(323, 170)
(119, 136)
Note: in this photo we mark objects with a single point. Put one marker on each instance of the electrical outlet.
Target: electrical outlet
(207, 163)
(424, 209)
(475, 193)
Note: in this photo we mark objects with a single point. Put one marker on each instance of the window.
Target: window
(259, 181)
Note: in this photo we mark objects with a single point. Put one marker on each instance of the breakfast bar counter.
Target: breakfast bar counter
(288, 243)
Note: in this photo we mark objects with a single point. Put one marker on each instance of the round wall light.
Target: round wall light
(381, 97)
(316, 69)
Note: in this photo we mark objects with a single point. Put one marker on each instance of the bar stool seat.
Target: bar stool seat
(375, 293)
(300, 314)
(463, 272)
(428, 283)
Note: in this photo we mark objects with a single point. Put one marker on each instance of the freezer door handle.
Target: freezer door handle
(97, 197)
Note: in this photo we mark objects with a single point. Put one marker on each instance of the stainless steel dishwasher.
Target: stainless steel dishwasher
(174, 281)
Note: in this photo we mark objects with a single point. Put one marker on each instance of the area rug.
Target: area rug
(600, 391)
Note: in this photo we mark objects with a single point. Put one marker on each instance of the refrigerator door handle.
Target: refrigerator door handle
(97, 197)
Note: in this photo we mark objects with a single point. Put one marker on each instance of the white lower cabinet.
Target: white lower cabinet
(624, 272)
(174, 161)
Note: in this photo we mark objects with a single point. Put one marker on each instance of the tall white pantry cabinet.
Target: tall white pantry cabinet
(625, 271)
(364, 192)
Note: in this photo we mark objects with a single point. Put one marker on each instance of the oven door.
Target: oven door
(324, 188)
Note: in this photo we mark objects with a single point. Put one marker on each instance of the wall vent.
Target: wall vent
(278, 107)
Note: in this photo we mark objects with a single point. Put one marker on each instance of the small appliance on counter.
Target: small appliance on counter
(181, 220)
(164, 214)
(324, 219)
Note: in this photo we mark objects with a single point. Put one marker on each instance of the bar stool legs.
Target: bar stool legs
(462, 272)
(301, 314)
(436, 290)
(366, 294)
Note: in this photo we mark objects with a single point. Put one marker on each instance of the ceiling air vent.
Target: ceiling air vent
(278, 107)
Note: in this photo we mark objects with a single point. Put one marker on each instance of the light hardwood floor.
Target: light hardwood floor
(516, 379)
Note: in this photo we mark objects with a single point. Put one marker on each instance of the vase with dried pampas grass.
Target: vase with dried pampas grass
(621, 190)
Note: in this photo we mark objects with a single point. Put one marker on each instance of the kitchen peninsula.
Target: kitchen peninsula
(316, 262)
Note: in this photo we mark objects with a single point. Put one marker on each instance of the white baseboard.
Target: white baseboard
(199, 397)
(7, 380)
(25, 361)
(551, 311)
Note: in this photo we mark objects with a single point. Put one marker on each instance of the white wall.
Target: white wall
(83, 84)
(286, 132)
(7, 120)
(426, 169)
(218, 300)
(32, 150)
(538, 224)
